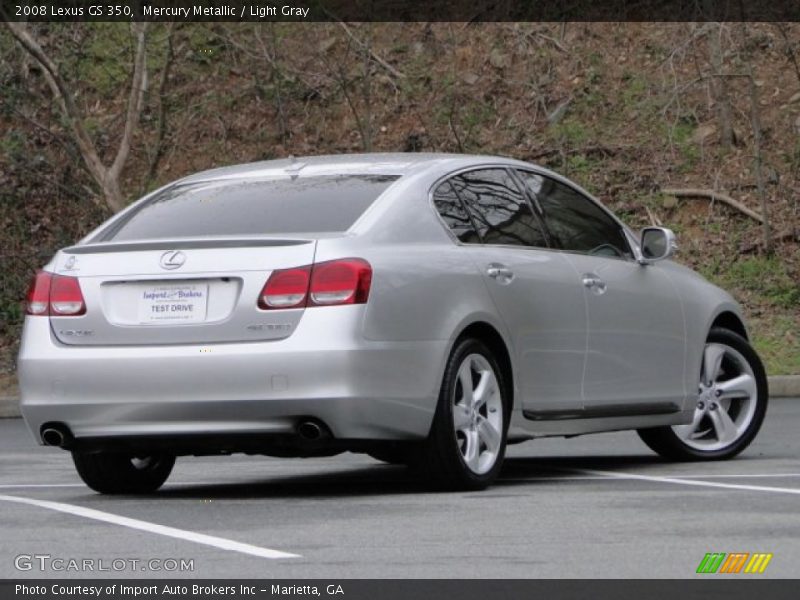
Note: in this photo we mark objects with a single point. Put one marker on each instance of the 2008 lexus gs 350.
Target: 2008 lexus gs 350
(425, 309)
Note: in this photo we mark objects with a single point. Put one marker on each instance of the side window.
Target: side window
(498, 208)
(576, 222)
(454, 214)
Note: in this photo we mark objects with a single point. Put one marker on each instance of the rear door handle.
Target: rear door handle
(500, 273)
(594, 283)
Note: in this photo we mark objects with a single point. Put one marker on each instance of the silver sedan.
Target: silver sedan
(426, 309)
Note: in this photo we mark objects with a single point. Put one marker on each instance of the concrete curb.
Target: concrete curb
(9, 407)
(784, 386)
(780, 386)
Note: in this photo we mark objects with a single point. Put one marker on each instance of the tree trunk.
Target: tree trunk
(720, 90)
(112, 193)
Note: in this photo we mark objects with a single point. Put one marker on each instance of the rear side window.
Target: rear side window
(575, 221)
(276, 206)
(501, 212)
(454, 214)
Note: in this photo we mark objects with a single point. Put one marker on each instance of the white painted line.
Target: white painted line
(82, 485)
(625, 476)
(737, 476)
(6, 486)
(694, 482)
(181, 534)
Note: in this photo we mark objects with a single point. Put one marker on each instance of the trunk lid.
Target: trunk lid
(178, 292)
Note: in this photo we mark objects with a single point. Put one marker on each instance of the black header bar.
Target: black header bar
(401, 10)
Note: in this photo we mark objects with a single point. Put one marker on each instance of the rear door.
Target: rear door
(535, 291)
(188, 266)
(636, 332)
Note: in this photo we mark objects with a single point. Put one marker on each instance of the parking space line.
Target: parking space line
(181, 534)
(737, 476)
(7, 486)
(692, 482)
(625, 476)
(14, 486)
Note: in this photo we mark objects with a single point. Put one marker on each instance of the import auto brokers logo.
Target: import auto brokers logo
(735, 562)
(172, 259)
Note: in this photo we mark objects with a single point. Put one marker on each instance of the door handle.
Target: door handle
(594, 283)
(500, 272)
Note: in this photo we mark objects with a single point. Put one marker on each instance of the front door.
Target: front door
(636, 341)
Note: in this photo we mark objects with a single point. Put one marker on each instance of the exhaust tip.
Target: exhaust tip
(309, 430)
(53, 437)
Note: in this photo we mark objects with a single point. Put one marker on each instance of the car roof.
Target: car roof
(389, 163)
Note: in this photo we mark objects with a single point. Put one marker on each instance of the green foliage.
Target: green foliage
(635, 89)
(681, 135)
(765, 276)
(778, 344)
(570, 131)
(581, 168)
(105, 57)
(12, 145)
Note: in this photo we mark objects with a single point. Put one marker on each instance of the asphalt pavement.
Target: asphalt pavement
(595, 506)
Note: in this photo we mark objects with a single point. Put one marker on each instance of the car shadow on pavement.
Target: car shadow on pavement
(379, 479)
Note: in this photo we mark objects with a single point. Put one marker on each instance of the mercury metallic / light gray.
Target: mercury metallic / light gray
(426, 309)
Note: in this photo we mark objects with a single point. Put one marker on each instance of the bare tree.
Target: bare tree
(157, 152)
(720, 88)
(106, 176)
(755, 122)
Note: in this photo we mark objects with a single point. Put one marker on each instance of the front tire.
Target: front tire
(730, 409)
(467, 441)
(118, 473)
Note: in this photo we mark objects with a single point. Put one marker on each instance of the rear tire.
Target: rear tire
(731, 405)
(118, 473)
(467, 441)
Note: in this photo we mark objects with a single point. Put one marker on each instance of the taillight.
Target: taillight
(285, 289)
(55, 295)
(345, 281)
(37, 300)
(331, 283)
(66, 298)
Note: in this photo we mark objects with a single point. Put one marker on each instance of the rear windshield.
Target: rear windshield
(276, 206)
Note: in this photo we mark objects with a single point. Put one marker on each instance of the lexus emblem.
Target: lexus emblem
(172, 259)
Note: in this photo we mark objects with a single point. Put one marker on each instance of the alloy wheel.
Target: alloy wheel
(726, 403)
(478, 414)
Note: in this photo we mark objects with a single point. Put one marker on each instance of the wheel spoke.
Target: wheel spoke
(724, 426)
(743, 386)
(471, 454)
(465, 377)
(712, 361)
(484, 389)
(685, 431)
(489, 434)
(461, 417)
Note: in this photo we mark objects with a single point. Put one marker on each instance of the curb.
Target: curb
(9, 407)
(780, 386)
(784, 386)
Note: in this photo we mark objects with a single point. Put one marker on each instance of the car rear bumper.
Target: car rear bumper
(358, 389)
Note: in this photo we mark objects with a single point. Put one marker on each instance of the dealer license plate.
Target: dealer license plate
(173, 303)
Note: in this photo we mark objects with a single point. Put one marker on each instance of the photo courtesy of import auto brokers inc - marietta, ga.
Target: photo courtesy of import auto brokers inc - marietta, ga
(426, 309)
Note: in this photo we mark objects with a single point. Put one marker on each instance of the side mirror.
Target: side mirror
(658, 243)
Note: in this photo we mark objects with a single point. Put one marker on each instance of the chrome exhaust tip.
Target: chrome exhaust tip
(53, 437)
